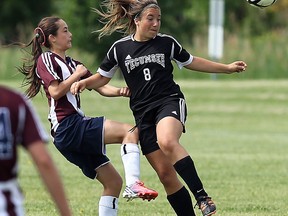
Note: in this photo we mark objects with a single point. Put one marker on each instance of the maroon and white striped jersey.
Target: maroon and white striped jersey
(51, 67)
(19, 124)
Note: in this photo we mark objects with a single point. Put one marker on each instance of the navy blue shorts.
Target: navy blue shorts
(81, 141)
(146, 124)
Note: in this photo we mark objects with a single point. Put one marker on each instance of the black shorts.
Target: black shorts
(81, 141)
(146, 123)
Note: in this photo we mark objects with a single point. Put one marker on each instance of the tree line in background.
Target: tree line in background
(22, 17)
(183, 19)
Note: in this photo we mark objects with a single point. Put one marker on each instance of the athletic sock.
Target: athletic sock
(131, 161)
(181, 202)
(108, 205)
(186, 169)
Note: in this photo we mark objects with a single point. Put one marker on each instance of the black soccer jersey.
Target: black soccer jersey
(147, 68)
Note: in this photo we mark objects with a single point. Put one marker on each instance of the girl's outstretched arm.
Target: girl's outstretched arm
(204, 65)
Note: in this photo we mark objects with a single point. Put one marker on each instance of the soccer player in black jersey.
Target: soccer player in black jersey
(144, 57)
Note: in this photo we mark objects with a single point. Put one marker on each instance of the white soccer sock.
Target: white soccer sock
(108, 206)
(131, 161)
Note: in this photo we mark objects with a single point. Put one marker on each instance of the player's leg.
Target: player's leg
(169, 130)
(177, 195)
(112, 184)
(116, 132)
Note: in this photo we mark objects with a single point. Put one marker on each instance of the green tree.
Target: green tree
(183, 19)
(240, 16)
(252, 20)
(83, 22)
(17, 18)
(177, 19)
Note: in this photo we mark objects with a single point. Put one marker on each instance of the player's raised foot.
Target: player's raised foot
(206, 205)
(138, 190)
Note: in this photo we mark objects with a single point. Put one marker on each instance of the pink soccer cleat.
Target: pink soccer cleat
(138, 190)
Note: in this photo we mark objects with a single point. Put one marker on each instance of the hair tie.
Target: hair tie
(37, 34)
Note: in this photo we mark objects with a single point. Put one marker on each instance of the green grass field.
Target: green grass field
(237, 134)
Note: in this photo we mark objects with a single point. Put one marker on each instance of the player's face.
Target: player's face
(63, 39)
(148, 25)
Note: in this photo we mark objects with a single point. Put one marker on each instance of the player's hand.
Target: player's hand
(81, 70)
(237, 66)
(77, 87)
(125, 92)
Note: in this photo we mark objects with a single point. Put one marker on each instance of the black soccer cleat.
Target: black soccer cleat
(206, 205)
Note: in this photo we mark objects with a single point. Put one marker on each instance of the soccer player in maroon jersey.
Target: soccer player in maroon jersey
(20, 125)
(145, 59)
(79, 138)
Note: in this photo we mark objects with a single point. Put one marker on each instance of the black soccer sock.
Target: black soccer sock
(181, 202)
(186, 169)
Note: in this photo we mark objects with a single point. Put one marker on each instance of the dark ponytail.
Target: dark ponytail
(47, 26)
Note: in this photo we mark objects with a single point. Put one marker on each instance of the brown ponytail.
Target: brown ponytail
(119, 15)
(47, 26)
